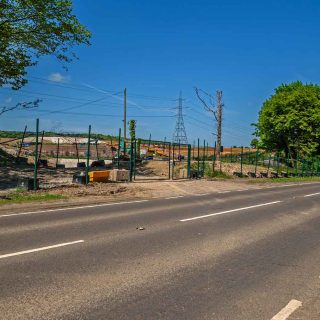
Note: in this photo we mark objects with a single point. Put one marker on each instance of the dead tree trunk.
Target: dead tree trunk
(208, 102)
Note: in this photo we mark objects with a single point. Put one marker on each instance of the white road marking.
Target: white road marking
(227, 191)
(201, 194)
(40, 249)
(176, 197)
(312, 194)
(290, 308)
(229, 211)
(72, 208)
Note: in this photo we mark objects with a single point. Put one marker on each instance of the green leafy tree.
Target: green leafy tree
(30, 29)
(254, 143)
(289, 120)
(132, 129)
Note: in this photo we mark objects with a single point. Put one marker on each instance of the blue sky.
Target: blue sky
(157, 49)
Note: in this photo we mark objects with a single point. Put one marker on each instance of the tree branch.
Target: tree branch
(20, 105)
(208, 107)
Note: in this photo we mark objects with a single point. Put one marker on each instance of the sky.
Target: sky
(157, 49)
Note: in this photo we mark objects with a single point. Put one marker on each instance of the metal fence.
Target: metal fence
(56, 160)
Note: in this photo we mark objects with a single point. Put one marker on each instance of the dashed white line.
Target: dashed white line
(312, 194)
(176, 197)
(72, 208)
(290, 308)
(201, 194)
(227, 191)
(229, 211)
(40, 249)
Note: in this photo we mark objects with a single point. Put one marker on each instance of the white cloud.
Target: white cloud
(56, 77)
(8, 100)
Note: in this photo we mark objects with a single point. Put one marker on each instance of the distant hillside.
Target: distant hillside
(18, 134)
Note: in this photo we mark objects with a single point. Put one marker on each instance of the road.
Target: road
(246, 254)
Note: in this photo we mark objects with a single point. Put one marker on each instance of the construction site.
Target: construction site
(94, 164)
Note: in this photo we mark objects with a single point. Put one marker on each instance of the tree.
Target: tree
(289, 120)
(254, 143)
(132, 129)
(30, 29)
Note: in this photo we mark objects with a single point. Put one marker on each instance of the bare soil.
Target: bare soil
(151, 182)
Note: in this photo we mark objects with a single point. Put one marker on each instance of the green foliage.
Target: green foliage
(18, 134)
(132, 129)
(289, 120)
(20, 196)
(138, 148)
(30, 29)
(285, 180)
(254, 143)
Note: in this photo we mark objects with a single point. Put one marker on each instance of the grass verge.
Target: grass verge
(18, 197)
(281, 180)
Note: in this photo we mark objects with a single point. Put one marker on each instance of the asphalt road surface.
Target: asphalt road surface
(246, 254)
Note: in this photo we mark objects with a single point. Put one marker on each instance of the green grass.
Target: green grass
(281, 180)
(19, 196)
(216, 174)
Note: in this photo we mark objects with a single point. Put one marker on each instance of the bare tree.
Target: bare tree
(20, 105)
(208, 102)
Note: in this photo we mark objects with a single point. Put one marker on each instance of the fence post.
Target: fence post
(214, 157)
(207, 153)
(111, 147)
(241, 160)
(169, 162)
(172, 161)
(203, 157)
(256, 164)
(57, 156)
(77, 150)
(194, 146)
(35, 173)
(119, 147)
(198, 159)
(131, 160)
(231, 155)
(97, 151)
(189, 162)
(269, 163)
(134, 159)
(21, 143)
(88, 156)
(149, 142)
(40, 152)
(278, 164)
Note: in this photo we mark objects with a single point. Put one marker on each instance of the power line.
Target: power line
(101, 114)
(62, 85)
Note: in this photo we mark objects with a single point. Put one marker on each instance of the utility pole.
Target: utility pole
(219, 121)
(216, 109)
(125, 115)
